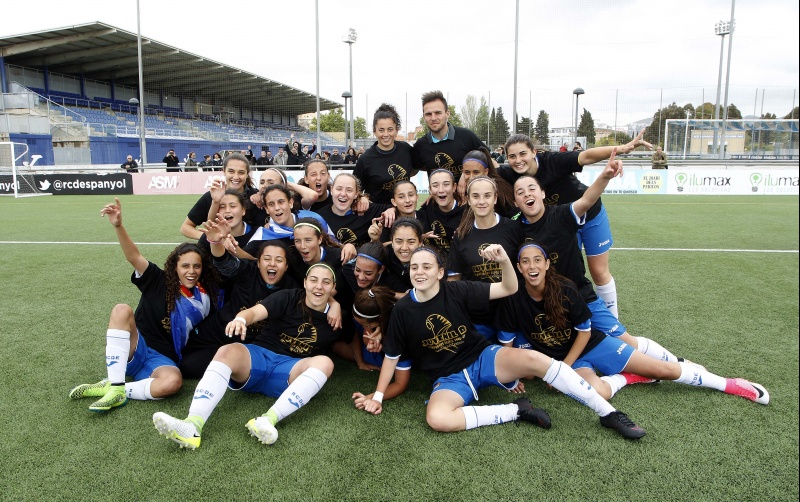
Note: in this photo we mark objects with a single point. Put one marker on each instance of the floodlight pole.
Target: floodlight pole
(350, 40)
(577, 92)
(727, 81)
(346, 95)
(135, 102)
(721, 28)
(686, 135)
(516, 51)
(142, 141)
(319, 125)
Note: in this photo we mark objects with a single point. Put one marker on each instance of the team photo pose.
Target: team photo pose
(431, 326)
(442, 211)
(479, 163)
(317, 177)
(285, 361)
(387, 161)
(236, 171)
(555, 173)
(404, 199)
(147, 345)
(549, 315)
(234, 208)
(304, 197)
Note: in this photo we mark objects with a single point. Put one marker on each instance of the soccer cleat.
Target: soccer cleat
(263, 429)
(690, 363)
(632, 378)
(623, 425)
(182, 432)
(535, 416)
(98, 389)
(114, 398)
(748, 390)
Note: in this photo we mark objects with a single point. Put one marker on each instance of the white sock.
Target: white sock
(118, 346)
(140, 390)
(692, 375)
(608, 293)
(564, 378)
(299, 393)
(652, 349)
(616, 382)
(210, 390)
(478, 416)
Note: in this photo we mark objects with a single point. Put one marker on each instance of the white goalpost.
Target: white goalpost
(17, 180)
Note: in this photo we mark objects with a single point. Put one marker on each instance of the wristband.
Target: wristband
(240, 319)
(378, 396)
(214, 242)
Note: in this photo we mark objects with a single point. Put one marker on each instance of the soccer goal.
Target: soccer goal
(16, 176)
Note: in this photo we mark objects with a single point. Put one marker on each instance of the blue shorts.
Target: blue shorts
(609, 357)
(269, 372)
(476, 376)
(595, 235)
(604, 320)
(488, 332)
(145, 361)
(376, 359)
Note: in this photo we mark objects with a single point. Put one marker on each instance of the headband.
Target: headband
(320, 264)
(371, 258)
(307, 224)
(440, 170)
(481, 178)
(431, 251)
(359, 314)
(532, 245)
(479, 161)
(280, 173)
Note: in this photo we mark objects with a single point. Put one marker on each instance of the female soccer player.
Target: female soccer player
(404, 200)
(148, 344)
(480, 226)
(303, 196)
(237, 177)
(318, 178)
(479, 163)
(550, 316)
(442, 211)
(312, 246)
(555, 173)
(372, 309)
(284, 361)
(234, 208)
(387, 161)
(431, 326)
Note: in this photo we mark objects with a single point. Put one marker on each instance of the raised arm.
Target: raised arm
(217, 192)
(132, 254)
(613, 169)
(601, 153)
(308, 195)
(508, 286)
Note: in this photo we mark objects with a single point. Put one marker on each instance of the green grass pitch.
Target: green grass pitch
(735, 312)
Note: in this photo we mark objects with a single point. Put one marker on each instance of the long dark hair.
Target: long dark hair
(209, 277)
(240, 157)
(374, 301)
(244, 201)
(554, 284)
(395, 190)
(505, 192)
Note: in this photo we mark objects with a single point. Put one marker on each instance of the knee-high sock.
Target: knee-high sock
(209, 391)
(608, 293)
(564, 378)
(140, 390)
(692, 375)
(297, 394)
(478, 416)
(616, 382)
(652, 349)
(118, 346)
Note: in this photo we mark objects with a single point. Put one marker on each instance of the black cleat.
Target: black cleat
(535, 416)
(622, 424)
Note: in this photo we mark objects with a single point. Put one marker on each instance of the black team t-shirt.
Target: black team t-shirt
(352, 228)
(442, 224)
(464, 258)
(437, 334)
(448, 153)
(199, 212)
(290, 331)
(151, 316)
(521, 314)
(556, 230)
(379, 171)
(556, 176)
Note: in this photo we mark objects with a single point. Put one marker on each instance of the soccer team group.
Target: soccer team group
(483, 284)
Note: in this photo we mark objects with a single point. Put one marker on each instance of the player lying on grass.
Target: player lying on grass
(549, 315)
(431, 326)
(284, 360)
(147, 345)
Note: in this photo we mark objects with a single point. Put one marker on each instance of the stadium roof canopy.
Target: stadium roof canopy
(103, 52)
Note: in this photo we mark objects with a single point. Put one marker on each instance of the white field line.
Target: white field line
(689, 250)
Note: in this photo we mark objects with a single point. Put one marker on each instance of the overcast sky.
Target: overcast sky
(623, 53)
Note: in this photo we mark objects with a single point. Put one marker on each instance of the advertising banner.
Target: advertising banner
(733, 182)
(84, 184)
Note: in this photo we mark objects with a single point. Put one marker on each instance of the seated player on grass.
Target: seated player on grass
(147, 345)
(285, 360)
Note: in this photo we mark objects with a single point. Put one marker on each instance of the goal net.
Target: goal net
(16, 171)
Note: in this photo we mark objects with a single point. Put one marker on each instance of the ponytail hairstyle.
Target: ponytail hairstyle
(375, 252)
(376, 302)
(302, 301)
(209, 277)
(386, 111)
(468, 218)
(554, 284)
(238, 156)
(306, 167)
(411, 223)
(395, 190)
(314, 223)
(505, 193)
(358, 186)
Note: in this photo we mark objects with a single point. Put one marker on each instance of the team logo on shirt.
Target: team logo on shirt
(552, 200)
(444, 161)
(346, 236)
(440, 240)
(398, 174)
(547, 335)
(303, 342)
(444, 336)
(487, 271)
